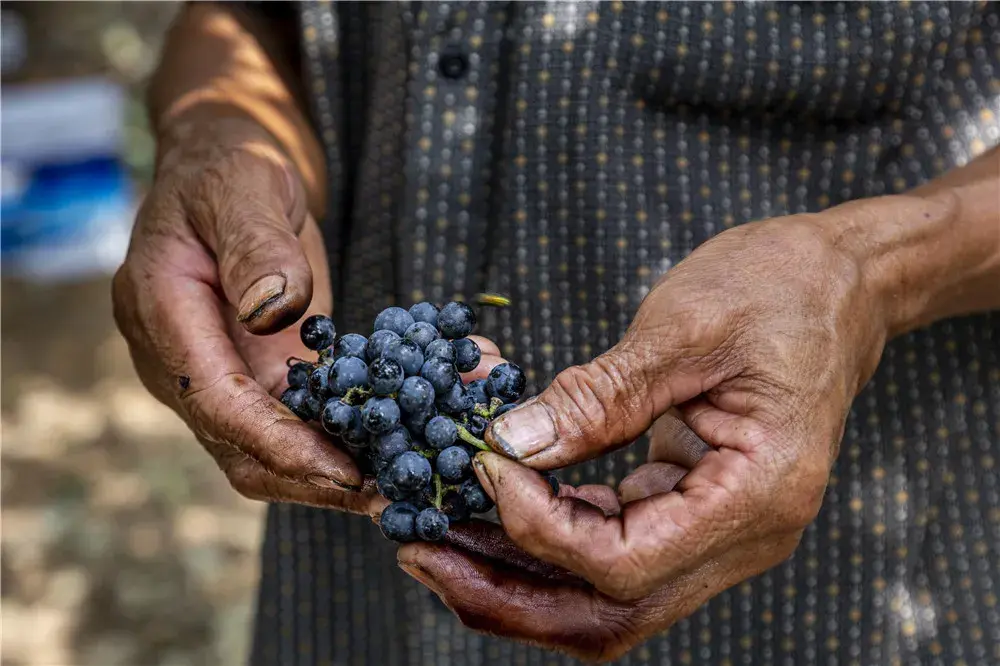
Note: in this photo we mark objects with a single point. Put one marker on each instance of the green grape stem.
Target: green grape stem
(469, 438)
(438, 492)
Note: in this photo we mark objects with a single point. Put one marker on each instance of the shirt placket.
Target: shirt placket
(454, 61)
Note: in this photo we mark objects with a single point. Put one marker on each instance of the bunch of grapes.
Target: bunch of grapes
(396, 400)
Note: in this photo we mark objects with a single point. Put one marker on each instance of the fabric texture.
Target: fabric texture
(568, 154)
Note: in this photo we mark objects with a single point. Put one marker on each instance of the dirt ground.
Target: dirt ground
(121, 543)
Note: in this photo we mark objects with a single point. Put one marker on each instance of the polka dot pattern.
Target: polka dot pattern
(567, 154)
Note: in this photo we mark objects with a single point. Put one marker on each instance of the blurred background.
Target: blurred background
(121, 541)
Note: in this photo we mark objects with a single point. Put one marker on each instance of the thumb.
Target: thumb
(596, 407)
(249, 209)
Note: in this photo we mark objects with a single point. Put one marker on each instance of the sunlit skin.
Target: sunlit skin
(742, 361)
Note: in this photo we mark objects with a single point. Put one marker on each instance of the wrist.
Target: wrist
(923, 256)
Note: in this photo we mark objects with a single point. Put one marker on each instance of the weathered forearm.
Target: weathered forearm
(226, 75)
(934, 252)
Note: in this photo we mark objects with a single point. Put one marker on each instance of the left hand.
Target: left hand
(758, 343)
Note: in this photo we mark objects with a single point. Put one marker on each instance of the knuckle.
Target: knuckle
(593, 396)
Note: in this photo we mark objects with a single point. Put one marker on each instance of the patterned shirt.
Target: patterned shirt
(568, 154)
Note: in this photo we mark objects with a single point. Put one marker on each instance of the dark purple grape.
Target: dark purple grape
(467, 354)
(506, 381)
(398, 522)
(393, 319)
(456, 320)
(317, 332)
(431, 524)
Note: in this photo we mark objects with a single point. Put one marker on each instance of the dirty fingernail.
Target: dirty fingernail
(328, 483)
(484, 473)
(259, 295)
(523, 432)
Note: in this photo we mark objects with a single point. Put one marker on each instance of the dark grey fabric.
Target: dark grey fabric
(585, 149)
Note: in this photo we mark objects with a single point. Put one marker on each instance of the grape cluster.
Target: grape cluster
(397, 401)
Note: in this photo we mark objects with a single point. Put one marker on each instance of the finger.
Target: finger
(267, 355)
(650, 479)
(248, 209)
(626, 556)
(671, 440)
(486, 363)
(603, 497)
(254, 482)
(565, 616)
(597, 407)
(177, 320)
(486, 346)
(508, 602)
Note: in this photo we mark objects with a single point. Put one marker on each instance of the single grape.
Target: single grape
(456, 320)
(385, 376)
(295, 400)
(467, 355)
(380, 415)
(425, 312)
(317, 332)
(314, 408)
(506, 381)
(477, 426)
(454, 464)
(421, 334)
(441, 432)
(398, 521)
(440, 373)
(347, 373)
(390, 444)
(477, 389)
(339, 418)
(319, 382)
(475, 497)
(386, 488)
(393, 319)
(415, 395)
(410, 471)
(431, 524)
(351, 344)
(407, 354)
(298, 375)
(455, 400)
(440, 348)
(377, 343)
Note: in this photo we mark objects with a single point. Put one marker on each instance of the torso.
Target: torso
(571, 164)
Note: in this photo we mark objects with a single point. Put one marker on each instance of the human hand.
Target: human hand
(224, 258)
(759, 341)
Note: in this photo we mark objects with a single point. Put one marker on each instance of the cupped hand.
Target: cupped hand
(224, 259)
(746, 356)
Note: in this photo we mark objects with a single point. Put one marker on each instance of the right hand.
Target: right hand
(224, 258)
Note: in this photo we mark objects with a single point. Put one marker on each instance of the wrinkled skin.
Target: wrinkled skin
(219, 217)
(742, 362)
(225, 262)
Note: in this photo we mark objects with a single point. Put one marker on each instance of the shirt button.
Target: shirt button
(453, 63)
